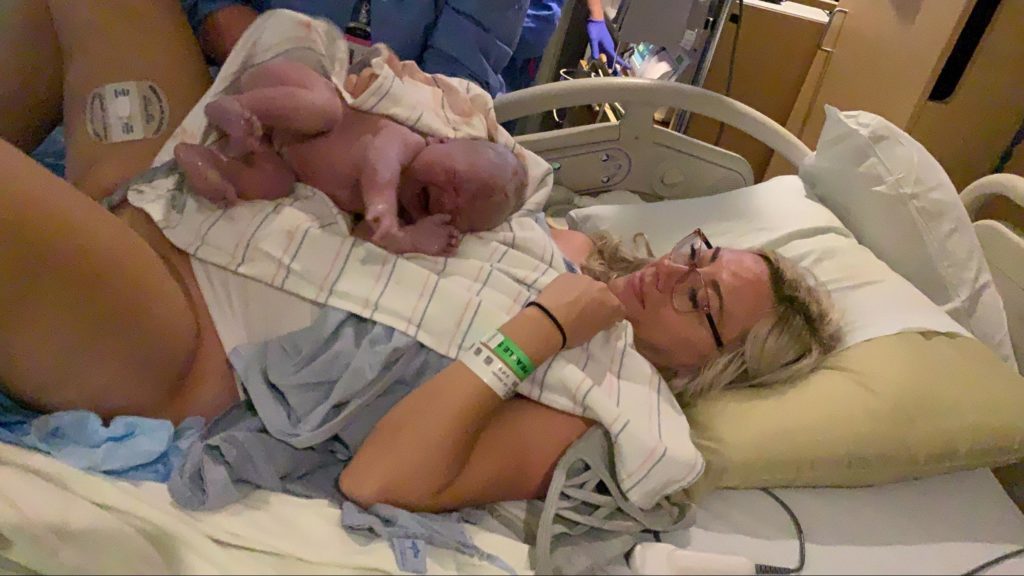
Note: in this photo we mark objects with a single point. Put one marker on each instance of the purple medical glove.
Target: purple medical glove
(601, 42)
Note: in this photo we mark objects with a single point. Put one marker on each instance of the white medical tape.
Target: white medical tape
(126, 111)
(489, 368)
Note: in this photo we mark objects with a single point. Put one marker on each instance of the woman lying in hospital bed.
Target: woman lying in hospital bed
(101, 312)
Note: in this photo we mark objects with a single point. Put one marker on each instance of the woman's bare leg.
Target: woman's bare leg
(107, 41)
(89, 315)
(30, 84)
(96, 311)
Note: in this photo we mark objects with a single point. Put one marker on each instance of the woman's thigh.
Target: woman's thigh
(111, 41)
(96, 311)
(90, 315)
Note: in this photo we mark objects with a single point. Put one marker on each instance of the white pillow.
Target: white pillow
(777, 214)
(898, 201)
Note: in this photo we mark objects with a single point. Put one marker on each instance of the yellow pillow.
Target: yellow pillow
(889, 409)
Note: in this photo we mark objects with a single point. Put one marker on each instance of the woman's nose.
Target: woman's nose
(668, 274)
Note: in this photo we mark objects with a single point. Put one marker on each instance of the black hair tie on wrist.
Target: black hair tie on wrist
(542, 308)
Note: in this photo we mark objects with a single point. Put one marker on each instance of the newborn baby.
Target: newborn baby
(415, 193)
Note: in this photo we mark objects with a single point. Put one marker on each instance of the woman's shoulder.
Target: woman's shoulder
(575, 246)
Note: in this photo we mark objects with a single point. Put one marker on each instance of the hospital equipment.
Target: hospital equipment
(660, 39)
(941, 524)
(685, 34)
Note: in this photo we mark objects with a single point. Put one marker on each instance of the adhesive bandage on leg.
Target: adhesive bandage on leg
(126, 111)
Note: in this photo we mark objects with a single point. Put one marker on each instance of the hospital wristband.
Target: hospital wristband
(511, 354)
(492, 371)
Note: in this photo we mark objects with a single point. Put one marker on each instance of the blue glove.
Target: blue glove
(601, 42)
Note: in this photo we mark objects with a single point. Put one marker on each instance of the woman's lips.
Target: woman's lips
(636, 283)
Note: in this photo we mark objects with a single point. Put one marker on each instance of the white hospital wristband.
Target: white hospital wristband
(489, 368)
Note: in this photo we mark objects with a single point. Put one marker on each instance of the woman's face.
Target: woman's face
(665, 303)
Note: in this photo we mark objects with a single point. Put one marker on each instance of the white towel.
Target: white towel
(302, 245)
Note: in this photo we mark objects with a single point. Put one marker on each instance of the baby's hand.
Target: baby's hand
(383, 220)
(434, 236)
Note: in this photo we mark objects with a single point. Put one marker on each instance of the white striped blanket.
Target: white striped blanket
(302, 245)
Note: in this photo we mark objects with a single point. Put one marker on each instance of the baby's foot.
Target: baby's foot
(242, 127)
(199, 164)
(434, 235)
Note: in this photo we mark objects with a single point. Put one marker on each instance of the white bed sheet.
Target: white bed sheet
(56, 519)
(940, 525)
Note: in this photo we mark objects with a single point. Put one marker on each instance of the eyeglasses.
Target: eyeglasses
(691, 293)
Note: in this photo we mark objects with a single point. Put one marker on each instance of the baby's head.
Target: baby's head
(477, 182)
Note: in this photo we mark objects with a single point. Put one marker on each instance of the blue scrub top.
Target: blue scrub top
(540, 23)
(472, 39)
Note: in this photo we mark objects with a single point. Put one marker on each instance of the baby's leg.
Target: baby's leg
(284, 96)
(261, 175)
(291, 96)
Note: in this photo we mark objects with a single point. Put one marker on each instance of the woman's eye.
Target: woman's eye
(693, 298)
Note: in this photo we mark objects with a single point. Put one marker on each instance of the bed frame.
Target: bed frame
(636, 155)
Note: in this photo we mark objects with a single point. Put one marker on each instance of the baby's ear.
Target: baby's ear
(436, 140)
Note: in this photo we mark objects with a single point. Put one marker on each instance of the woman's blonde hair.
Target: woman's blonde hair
(785, 346)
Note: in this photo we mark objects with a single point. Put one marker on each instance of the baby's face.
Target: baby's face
(470, 180)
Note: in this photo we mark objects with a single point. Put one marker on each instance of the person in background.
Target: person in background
(461, 38)
(541, 21)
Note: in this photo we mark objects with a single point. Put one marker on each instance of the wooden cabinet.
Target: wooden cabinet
(969, 130)
(886, 59)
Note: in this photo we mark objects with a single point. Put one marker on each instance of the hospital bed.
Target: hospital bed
(942, 524)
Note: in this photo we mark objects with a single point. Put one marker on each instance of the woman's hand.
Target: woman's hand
(582, 305)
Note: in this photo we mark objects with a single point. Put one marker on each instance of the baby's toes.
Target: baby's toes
(454, 239)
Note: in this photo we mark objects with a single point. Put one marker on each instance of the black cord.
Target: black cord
(982, 567)
(554, 320)
(768, 568)
(732, 66)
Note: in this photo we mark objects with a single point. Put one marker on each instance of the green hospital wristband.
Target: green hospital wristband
(511, 354)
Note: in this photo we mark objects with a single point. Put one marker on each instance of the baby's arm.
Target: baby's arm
(392, 148)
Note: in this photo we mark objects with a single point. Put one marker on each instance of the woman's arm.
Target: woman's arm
(454, 443)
